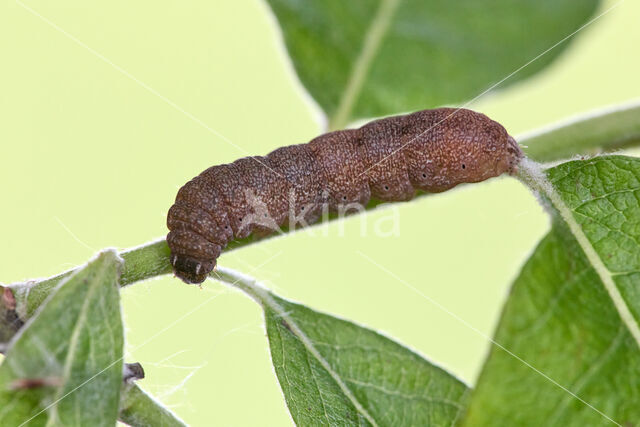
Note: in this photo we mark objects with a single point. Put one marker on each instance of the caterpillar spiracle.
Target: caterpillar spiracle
(387, 160)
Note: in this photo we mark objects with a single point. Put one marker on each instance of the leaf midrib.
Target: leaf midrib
(370, 44)
(73, 342)
(264, 298)
(606, 276)
(543, 184)
(308, 345)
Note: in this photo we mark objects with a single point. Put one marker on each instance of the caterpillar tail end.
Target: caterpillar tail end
(191, 270)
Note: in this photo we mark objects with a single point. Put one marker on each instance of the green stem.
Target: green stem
(595, 132)
(598, 131)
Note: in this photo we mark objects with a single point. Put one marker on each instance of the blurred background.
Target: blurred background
(91, 159)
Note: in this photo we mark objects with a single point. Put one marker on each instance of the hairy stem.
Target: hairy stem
(595, 132)
(603, 130)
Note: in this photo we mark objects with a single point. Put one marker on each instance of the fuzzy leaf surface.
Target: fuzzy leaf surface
(64, 367)
(344, 374)
(138, 409)
(574, 311)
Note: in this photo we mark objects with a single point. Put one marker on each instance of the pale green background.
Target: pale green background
(91, 159)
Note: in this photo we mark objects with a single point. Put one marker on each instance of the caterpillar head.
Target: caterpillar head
(461, 146)
(189, 269)
(192, 256)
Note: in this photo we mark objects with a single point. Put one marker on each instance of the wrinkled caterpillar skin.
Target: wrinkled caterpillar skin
(388, 160)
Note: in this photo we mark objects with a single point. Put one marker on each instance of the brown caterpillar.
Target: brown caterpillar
(387, 159)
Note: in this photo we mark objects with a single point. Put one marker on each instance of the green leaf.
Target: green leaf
(138, 409)
(371, 58)
(64, 367)
(574, 313)
(334, 372)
